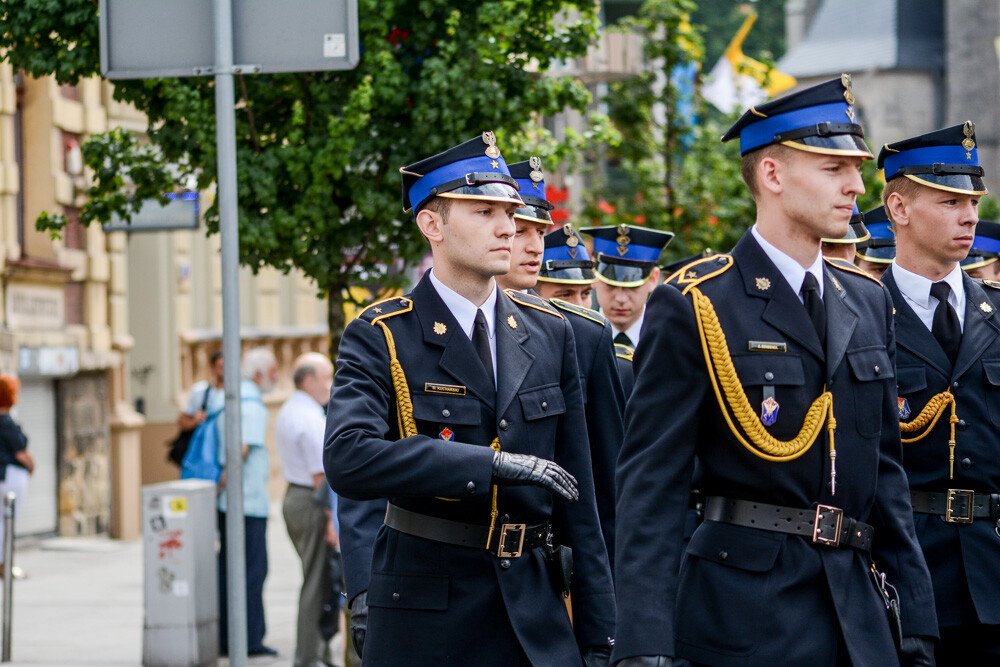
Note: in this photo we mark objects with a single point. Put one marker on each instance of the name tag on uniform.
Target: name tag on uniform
(450, 389)
(768, 346)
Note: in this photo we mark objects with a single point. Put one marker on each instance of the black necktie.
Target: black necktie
(814, 305)
(622, 339)
(481, 341)
(945, 325)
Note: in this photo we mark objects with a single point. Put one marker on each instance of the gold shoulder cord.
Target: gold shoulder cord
(404, 413)
(729, 392)
(929, 417)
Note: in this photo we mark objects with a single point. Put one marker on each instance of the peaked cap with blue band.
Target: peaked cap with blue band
(626, 255)
(944, 159)
(985, 246)
(881, 247)
(531, 183)
(566, 259)
(856, 231)
(820, 119)
(472, 170)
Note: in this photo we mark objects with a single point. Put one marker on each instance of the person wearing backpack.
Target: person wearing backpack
(205, 398)
(260, 372)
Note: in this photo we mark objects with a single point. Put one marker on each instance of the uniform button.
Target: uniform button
(769, 376)
(446, 413)
(723, 555)
(966, 464)
(505, 518)
(961, 426)
(956, 384)
(505, 563)
(545, 405)
(503, 424)
(878, 369)
(470, 487)
(395, 597)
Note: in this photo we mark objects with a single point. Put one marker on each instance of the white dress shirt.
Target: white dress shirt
(298, 436)
(633, 331)
(789, 268)
(464, 312)
(916, 291)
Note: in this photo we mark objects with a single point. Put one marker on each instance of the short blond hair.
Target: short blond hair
(907, 188)
(750, 162)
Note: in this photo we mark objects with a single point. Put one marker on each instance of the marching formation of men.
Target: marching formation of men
(788, 454)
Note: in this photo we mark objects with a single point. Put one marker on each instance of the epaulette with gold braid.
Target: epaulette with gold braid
(624, 352)
(992, 283)
(532, 301)
(844, 265)
(380, 310)
(700, 270)
(585, 313)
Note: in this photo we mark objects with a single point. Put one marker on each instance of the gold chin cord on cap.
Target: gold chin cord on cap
(929, 417)
(730, 395)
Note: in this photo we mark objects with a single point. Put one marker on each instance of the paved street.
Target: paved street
(82, 601)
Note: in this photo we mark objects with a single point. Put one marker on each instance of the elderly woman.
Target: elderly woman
(16, 463)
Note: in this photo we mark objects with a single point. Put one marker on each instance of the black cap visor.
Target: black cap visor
(966, 184)
(533, 213)
(856, 233)
(569, 272)
(850, 145)
(879, 251)
(500, 192)
(622, 272)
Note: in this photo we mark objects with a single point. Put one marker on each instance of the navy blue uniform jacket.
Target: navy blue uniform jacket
(434, 603)
(743, 596)
(964, 560)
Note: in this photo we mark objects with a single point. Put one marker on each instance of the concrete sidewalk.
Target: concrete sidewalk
(82, 601)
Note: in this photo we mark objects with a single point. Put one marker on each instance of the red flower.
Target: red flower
(605, 207)
(555, 195)
(713, 221)
(640, 219)
(559, 215)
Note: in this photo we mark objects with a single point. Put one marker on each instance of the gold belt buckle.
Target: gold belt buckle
(518, 529)
(949, 513)
(818, 537)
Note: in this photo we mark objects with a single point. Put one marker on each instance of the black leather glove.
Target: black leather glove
(597, 656)
(524, 469)
(916, 652)
(359, 621)
(646, 661)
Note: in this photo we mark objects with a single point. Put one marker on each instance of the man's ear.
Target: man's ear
(770, 174)
(430, 225)
(898, 210)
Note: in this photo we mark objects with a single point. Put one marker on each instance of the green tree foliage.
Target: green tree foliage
(318, 152)
(720, 19)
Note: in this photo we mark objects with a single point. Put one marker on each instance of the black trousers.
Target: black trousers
(256, 564)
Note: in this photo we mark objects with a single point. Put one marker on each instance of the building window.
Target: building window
(74, 303)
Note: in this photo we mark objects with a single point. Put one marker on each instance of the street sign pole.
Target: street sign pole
(225, 132)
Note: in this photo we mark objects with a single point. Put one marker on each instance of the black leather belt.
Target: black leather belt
(957, 505)
(509, 540)
(823, 524)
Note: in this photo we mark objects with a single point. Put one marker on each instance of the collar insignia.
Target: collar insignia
(763, 284)
(440, 328)
(985, 307)
(377, 309)
(511, 322)
(492, 151)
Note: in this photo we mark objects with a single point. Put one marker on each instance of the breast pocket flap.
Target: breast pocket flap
(758, 368)
(911, 379)
(870, 363)
(408, 591)
(542, 402)
(735, 546)
(447, 409)
(992, 371)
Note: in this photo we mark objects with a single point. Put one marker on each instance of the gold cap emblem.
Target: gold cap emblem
(623, 239)
(848, 93)
(985, 307)
(511, 322)
(968, 143)
(764, 283)
(536, 169)
(572, 240)
(440, 328)
(490, 140)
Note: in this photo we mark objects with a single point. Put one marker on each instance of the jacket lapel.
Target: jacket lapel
(911, 333)
(841, 321)
(513, 360)
(783, 311)
(980, 328)
(440, 329)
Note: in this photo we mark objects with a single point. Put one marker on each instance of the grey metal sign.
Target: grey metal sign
(143, 39)
(179, 212)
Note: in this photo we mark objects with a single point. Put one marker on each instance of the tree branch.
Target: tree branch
(253, 125)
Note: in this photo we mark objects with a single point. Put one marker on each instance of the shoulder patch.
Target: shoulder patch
(624, 352)
(992, 283)
(532, 301)
(585, 313)
(700, 270)
(844, 265)
(380, 310)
